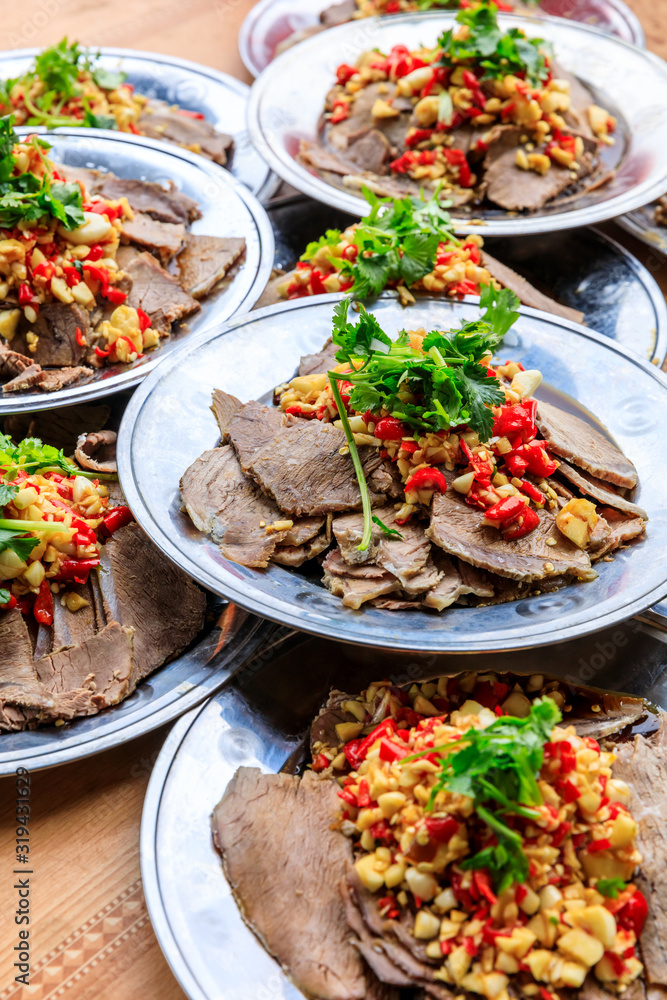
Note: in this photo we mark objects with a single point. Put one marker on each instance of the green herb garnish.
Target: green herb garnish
(17, 541)
(29, 198)
(498, 768)
(5, 596)
(32, 456)
(414, 226)
(610, 887)
(386, 530)
(498, 53)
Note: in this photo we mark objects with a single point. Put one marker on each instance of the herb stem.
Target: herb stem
(356, 461)
(48, 527)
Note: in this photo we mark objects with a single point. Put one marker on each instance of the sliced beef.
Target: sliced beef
(225, 504)
(457, 579)
(161, 121)
(387, 479)
(27, 379)
(155, 291)
(297, 555)
(458, 529)
(302, 468)
(165, 238)
(311, 154)
(97, 451)
(529, 295)
(145, 591)
(621, 529)
(54, 379)
(20, 688)
(404, 557)
(73, 627)
(508, 186)
(12, 363)
(599, 490)
(56, 327)
(359, 583)
(251, 428)
(293, 906)
(91, 676)
(370, 151)
(572, 438)
(224, 406)
(205, 260)
(338, 13)
(323, 733)
(315, 364)
(643, 765)
(163, 204)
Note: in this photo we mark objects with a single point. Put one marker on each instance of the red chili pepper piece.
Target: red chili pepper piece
(345, 73)
(116, 518)
(76, 569)
(568, 791)
(390, 429)
(426, 479)
(389, 751)
(43, 606)
(526, 523)
(363, 795)
(11, 603)
(347, 796)
(144, 320)
(510, 419)
(320, 763)
(25, 295)
(633, 915)
(114, 295)
(482, 882)
(507, 510)
(604, 844)
(441, 829)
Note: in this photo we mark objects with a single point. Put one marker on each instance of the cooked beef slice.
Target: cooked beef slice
(302, 468)
(387, 479)
(155, 291)
(205, 260)
(599, 490)
(12, 363)
(356, 584)
(25, 380)
(226, 505)
(56, 327)
(278, 900)
(338, 13)
(145, 591)
(166, 238)
(572, 438)
(529, 295)
(54, 379)
(622, 529)
(323, 727)
(251, 428)
(91, 676)
(370, 151)
(165, 205)
(224, 406)
(456, 580)
(313, 155)
(297, 555)
(599, 535)
(161, 121)
(643, 765)
(506, 185)
(73, 627)
(404, 557)
(19, 685)
(315, 364)
(458, 529)
(97, 451)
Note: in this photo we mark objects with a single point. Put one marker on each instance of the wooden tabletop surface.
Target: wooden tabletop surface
(91, 938)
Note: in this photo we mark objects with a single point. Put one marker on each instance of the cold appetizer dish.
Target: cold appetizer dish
(86, 262)
(407, 244)
(470, 837)
(67, 86)
(485, 115)
(88, 605)
(431, 473)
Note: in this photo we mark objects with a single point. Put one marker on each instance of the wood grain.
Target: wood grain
(91, 937)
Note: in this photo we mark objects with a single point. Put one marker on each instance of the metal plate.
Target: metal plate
(230, 636)
(250, 355)
(641, 223)
(228, 209)
(271, 22)
(631, 83)
(198, 925)
(222, 99)
(584, 269)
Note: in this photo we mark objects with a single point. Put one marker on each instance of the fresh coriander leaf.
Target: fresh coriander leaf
(7, 493)
(5, 596)
(330, 238)
(14, 541)
(389, 532)
(58, 67)
(108, 79)
(419, 250)
(99, 121)
(500, 309)
(65, 201)
(371, 274)
(610, 887)
(497, 53)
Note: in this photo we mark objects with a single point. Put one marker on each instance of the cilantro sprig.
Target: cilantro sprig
(444, 385)
(610, 887)
(397, 241)
(32, 456)
(28, 197)
(496, 52)
(498, 768)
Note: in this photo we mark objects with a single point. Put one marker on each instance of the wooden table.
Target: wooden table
(90, 933)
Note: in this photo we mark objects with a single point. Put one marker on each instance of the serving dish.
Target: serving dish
(219, 97)
(250, 355)
(227, 207)
(271, 22)
(641, 224)
(195, 918)
(282, 112)
(585, 270)
(229, 636)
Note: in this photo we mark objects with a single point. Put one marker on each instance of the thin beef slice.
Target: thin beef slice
(572, 438)
(97, 451)
(163, 204)
(288, 894)
(161, 121)
(56, 328)
(165, 238)
(205, 260)
(155, 291)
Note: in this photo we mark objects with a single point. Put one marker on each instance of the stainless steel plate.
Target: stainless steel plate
(271, 22)
(228, 209)
(249, 355)
(641, 223)
(287, 100)
(584, 269)
(221, 98)
(230, 636)
(198, 925)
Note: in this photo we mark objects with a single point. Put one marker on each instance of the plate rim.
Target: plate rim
(299, 177)
(245, 643)
(632, 226)
(283, 612)
(259, 9)
(26, 403)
